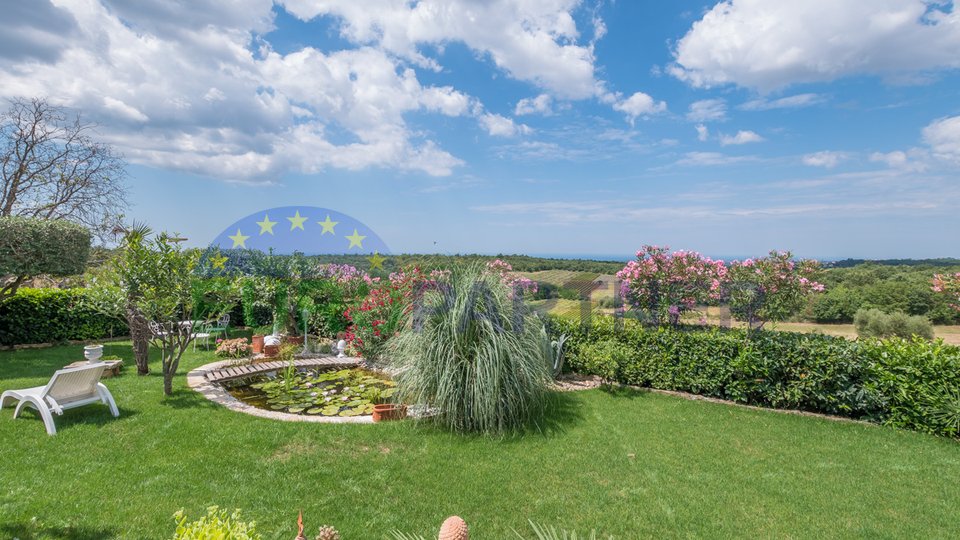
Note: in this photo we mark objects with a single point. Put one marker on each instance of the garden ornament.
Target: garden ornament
(454, 528)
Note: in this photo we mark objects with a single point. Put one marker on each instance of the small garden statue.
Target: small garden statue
(341, 345)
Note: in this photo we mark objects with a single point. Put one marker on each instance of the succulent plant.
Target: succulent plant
(327, 532)
(454, 528)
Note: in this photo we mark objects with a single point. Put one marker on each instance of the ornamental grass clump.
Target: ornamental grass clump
(472, 353)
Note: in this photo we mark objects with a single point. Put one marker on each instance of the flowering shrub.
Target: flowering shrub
(233, 348)
(949, 285)
(515, 282)
(381, 312)
(663, 285)
(771, 288)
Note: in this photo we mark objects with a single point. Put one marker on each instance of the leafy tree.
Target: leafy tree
(51, 168)
(31, 247)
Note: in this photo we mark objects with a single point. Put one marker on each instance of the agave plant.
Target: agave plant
(544, 532)
(474, 354)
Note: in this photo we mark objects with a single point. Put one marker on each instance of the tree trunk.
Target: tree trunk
(140, 334)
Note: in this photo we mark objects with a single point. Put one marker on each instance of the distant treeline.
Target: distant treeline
(520, 263)
(901, 286)
(849, 263)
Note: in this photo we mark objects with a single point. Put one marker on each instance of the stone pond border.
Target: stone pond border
(197, 380)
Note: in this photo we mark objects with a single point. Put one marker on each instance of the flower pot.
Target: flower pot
(294, 340)
(93, 353)
(257, 344)
(271, 351)
(389, 411)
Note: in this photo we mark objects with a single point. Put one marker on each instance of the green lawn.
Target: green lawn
(630, 464)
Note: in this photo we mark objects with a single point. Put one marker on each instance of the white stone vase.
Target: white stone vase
(93, 353)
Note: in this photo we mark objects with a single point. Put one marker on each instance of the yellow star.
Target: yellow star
(328, 226)
(266, 226)
(356, 240)
(376, 262)
(296, 222)
(218, 261)
(239, 240)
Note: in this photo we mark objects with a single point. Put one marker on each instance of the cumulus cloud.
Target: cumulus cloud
(531, 40)
(771, 44)
(707, 110)
(638, 105)
(827, 159)
(943, 137)
(35, 30)
(501, 126)
(741, 137)
(198, 87)
(542, 104)
(788, 102)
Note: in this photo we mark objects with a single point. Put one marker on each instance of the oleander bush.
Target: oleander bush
(52, 316)
(898, 382)
(878, 324)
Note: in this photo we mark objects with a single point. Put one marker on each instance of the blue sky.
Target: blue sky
(827, 127)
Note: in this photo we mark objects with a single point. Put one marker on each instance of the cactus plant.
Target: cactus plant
(454, 528)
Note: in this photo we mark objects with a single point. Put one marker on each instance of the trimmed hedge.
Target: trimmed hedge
(30, 247)
(52, 316)
(911, 384)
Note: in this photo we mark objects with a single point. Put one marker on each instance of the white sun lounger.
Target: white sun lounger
(67, 389)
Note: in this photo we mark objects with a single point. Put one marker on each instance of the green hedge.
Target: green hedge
(51, 316)
(911, 384)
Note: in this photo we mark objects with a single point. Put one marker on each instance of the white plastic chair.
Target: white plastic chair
(67, 389)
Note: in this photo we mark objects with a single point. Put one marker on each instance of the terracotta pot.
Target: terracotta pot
(295, 340)
(257, 344)
(389, 411)
(271, 350)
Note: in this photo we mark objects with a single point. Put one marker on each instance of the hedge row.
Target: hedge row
(52, 316)
(911, 384)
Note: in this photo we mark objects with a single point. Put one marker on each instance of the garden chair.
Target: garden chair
(67, 389)
(204, 334)
(221, 328)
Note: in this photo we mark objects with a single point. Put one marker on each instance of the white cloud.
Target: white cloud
(177, 86)
(943, 136)
(639, 104)
(542, 104)
(770, 44)
(711, 158)
(707, 110)
(702, 132)
(788, 102)
(913, 160)
(531, 40)
(501, 126)
(826, 158)
(742, 137)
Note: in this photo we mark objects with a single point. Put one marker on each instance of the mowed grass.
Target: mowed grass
(627, 463)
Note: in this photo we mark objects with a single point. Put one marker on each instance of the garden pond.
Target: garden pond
(339, 392)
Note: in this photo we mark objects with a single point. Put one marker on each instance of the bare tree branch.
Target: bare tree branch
(52, 168)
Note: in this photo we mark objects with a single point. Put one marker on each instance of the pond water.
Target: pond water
(338, 392)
